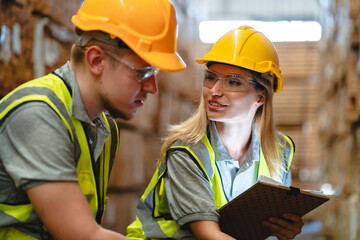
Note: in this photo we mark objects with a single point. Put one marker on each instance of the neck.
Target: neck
(87, 89)
(236, 138)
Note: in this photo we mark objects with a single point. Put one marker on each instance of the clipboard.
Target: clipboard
(242, 217)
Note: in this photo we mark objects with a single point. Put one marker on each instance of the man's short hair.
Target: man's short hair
(88, 38)
(83, 37)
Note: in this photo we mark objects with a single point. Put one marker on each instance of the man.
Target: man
(57, 140)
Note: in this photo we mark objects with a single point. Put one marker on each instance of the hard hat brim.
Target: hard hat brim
(167, 62)
(200, 60)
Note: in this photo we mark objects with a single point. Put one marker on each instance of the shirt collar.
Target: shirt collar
(77, 109)
(97, 131)
(220, 151)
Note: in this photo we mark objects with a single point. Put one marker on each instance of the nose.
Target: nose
(150, 85)
(216, 90)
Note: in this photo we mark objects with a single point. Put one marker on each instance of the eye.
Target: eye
(235, 81)
(140, 74)
(210, 77)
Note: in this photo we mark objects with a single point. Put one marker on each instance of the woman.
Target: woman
(222, 149)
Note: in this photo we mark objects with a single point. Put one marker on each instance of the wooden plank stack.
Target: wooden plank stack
(339, 116)
(25, 15)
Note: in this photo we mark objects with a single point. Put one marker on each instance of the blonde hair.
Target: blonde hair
(193, 129)
(271, 140)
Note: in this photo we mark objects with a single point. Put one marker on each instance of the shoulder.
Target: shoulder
(287, 150)
(285, 141)
(198, 155)
(35, 112)
(50, 156)
(290, 144)
(198, 149)
(34, 122)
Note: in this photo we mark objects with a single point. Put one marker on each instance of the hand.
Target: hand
(285, 228)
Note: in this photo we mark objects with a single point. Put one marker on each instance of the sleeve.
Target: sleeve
(36, 147)
(190, 195)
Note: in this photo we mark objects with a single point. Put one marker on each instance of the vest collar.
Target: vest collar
(77, 109)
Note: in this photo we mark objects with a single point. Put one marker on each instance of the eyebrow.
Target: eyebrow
(240, 74)
(228, 73)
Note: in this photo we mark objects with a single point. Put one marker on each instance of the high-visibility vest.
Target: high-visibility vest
(54, 91)
(153, 219)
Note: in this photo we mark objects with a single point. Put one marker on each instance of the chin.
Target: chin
(121, 114)
(214, 117)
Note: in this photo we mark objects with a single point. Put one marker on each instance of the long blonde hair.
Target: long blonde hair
(193, 129)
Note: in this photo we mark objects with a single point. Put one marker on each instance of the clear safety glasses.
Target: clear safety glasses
(229, 82)
(141, 74)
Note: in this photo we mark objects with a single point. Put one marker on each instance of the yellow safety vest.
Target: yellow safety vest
(152, 220)
(52, 90)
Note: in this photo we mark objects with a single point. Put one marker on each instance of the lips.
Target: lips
(216, 105)
(139, 102)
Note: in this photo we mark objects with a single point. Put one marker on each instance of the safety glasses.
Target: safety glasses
(229, 82)
(141, 74)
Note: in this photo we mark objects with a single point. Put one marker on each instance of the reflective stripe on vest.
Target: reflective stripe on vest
(150, 223)
(10, 233)
(52, 90)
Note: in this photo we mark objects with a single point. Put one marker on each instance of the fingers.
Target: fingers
(280, 232)
(293, 217)
(285, 228)
(282, 237)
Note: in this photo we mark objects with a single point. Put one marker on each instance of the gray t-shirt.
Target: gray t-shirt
(190, 195)
(35, 146)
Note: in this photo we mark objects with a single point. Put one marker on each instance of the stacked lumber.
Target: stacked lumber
(36, 39)
(339, 116)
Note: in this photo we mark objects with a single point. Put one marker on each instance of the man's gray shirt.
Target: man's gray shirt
(35, 146)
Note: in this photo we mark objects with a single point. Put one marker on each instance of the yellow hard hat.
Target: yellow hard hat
(247, 48)
(148, 27)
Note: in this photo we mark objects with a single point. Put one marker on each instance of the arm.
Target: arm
(49, 158)
(191, 199)
(208, 230)
(64, 211)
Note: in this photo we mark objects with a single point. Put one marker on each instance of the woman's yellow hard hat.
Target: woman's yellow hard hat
(247, 48)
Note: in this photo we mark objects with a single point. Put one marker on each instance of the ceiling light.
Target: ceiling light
(279, 31)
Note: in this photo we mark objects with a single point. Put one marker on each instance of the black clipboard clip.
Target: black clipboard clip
(294, 191)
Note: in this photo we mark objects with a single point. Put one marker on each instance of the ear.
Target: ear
(95, 59)
(260, 98)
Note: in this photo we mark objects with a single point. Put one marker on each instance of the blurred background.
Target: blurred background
(319, 107)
